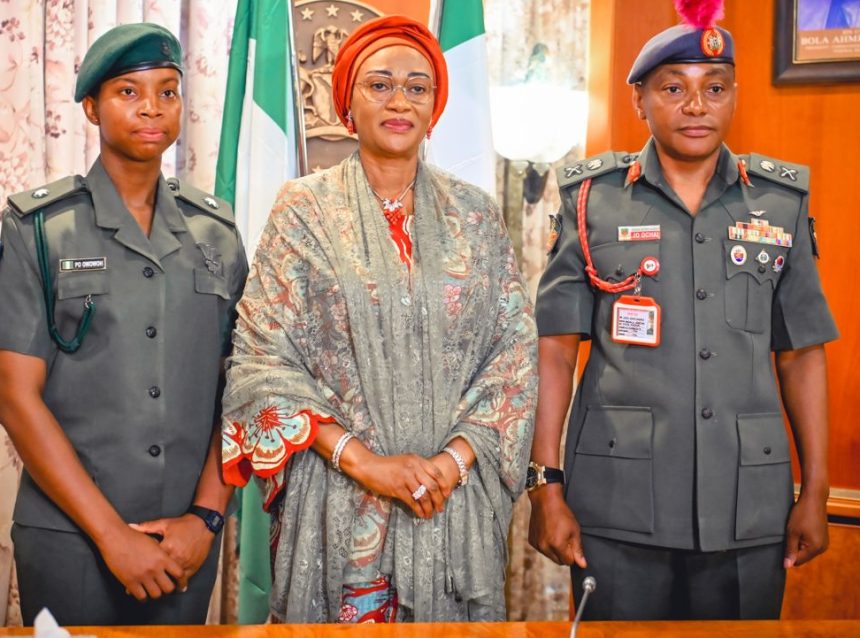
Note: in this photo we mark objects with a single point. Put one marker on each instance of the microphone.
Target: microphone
(589, 584)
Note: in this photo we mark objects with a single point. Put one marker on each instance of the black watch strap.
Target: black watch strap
(553, 475)
(214, 520)
(538, 475)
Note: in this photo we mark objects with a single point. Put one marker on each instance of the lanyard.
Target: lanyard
(649, 265)
(72, 346)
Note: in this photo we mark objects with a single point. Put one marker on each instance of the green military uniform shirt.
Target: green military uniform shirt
(683, 445)
(139, 399)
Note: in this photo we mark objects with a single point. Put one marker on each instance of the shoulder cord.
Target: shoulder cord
(72, 346)
(631, 282)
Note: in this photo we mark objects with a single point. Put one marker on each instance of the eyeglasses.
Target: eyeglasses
(381, 90)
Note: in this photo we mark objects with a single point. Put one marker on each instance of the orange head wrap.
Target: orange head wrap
(379, 34)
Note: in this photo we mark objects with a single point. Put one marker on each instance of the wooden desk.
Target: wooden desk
(721, 629)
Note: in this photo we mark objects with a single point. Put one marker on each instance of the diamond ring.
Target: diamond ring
(420, 491)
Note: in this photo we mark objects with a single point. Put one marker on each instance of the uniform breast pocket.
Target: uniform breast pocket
(752, 273)
(71, 285)
(208, 283)
(616, 261)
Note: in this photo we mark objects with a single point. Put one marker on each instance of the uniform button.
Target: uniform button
(700, 237)
(154, 450)
(707, 413)
(155, 392)
(620, 270)
(762, 269)
(766, 450)
(704, 353)
(148, 272)
(151, 332)
(612, 443)
(701, 294)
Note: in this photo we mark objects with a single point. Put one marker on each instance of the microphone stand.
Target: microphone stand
(589, 584)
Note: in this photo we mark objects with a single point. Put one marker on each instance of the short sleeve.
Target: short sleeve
(23, 323)
(801, 316)
(565, 300)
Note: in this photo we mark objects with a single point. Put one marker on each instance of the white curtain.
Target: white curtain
(44, 136)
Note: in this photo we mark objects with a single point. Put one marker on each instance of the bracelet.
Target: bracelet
(338, 449)
(461, 464)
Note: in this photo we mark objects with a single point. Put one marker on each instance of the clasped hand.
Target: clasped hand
(149, 568)
(400, 476)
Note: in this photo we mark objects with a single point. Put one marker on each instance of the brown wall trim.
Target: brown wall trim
(842, 503)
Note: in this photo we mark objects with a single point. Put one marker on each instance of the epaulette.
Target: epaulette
(593, 166)
(210, 204)
(794, 176)
(30, 201)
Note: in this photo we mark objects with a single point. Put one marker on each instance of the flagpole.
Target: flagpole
(434, 21)
(298, 107)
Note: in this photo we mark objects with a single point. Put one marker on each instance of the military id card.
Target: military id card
(636, 321)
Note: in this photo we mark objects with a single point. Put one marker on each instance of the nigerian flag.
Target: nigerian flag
(462, 141)
(256, 156)
(258, 150)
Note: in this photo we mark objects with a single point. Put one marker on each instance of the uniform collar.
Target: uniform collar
(652, 172)
(111, 213)
(725, 175)
(110, 210)
(727, 165)
(165, 205)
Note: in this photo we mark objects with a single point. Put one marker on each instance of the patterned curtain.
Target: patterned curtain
(44, 135)
(538, 589)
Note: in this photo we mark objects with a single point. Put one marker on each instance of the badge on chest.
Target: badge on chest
(759, 231)
(635, 318)
(636, 321)
(83, 264)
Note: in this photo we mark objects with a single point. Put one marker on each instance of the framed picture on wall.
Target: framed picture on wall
(816, 41)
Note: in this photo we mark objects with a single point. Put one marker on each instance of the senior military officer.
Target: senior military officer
(694, 265)
(118, 294)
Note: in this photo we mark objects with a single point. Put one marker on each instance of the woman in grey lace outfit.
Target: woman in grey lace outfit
(382, 383)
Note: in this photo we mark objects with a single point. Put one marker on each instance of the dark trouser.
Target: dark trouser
(637, 582)
(64, 572)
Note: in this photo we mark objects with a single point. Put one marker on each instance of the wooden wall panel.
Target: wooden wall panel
(814, 124)
(827, 587)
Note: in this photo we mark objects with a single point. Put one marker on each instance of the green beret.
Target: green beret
(125, 49)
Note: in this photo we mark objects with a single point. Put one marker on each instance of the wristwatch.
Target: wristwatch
(538, 475)
(214, 520)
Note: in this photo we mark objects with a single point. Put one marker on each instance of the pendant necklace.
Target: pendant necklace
(393, 208)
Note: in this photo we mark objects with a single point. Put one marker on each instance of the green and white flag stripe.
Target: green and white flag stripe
(258, 148)
(256, 156)
(462, 141)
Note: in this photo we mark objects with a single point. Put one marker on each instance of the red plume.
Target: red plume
(700, 14)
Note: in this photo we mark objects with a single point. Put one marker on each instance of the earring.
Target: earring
(429, 132)
(350, 125)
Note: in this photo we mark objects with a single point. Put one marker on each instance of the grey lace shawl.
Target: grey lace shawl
(332, 321)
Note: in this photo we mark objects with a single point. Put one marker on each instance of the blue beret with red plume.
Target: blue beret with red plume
(696, 40)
